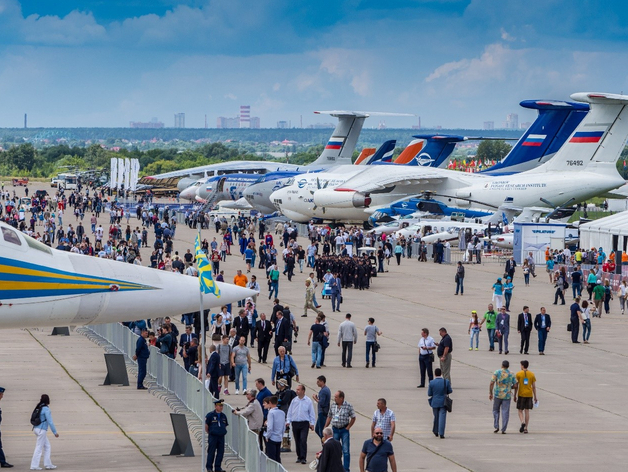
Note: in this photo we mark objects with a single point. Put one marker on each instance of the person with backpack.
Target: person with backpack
(41, 419)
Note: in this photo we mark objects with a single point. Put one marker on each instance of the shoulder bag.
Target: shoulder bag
(449, 403)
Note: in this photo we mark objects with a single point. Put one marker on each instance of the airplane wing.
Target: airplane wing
(376, 179)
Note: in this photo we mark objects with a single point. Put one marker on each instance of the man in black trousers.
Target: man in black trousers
(524, 328)
(264, 335)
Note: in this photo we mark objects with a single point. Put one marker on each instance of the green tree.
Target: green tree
(493, 150)
(22, 157)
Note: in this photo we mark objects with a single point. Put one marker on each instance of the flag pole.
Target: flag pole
(203, 363)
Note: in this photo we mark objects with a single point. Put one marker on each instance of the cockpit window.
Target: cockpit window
(34, 244)
(11, 236)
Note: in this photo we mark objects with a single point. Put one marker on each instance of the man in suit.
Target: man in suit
(186, 338)
(510, 268)
(542, 323)
(335, 288)
(330, 458)
(502, 324)
(282, 331)
(241, 325)
(437, 390)
(264, 334)
(213, 371)
(524, 328)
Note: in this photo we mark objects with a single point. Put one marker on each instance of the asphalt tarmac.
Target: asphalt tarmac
(580, 387)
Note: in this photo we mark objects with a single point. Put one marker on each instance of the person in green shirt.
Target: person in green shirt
(489, 317)
(598, 297)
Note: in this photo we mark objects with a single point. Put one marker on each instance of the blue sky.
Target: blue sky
(455, 63)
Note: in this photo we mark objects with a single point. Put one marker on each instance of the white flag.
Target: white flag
(120, 181)
(127, 174)
(113, 179)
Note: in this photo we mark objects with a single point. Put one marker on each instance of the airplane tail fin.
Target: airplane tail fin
(554, 124)
(597, 142)
(429, 150)
(384, 153)
(339, 149)
(364, 156)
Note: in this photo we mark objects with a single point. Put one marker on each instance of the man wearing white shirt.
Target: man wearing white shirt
(301, 415)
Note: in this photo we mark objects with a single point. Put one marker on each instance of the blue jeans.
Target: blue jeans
(240, 369)
(370, 346)
(576, 289)
(586, 330)
(317, 350)
(320, 424)
(440, 419)
(542, 339)
(491, 337)
(459, 285)
(475, 332)
(507, 297)
(310, 261)
(274, 287)
(343, 436)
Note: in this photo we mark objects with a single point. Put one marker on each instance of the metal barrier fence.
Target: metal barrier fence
(173, 377)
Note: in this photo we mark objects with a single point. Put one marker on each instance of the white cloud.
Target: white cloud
(507, 37)
(74, 29)
(231, 96)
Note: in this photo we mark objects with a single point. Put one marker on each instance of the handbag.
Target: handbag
(376, 347)
(431, 358)
(569, 327)
(449, 403)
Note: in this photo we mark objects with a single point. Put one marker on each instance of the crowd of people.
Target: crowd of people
(332, 266)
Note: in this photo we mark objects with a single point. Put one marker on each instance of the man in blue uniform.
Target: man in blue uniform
(3, 460)
(141, 356)
(216, 427)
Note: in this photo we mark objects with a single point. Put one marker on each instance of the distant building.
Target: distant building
(224, 122)
(512, 121)
(525, 125)
(245, 116)
(381, 125)
(153, 124)
(179, 120)
(489, 125)
(282, 124)
(255, 122)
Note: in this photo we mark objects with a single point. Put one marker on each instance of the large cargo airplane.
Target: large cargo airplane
(338, 150)
(554, 120)
(41, 287)
(583, 168)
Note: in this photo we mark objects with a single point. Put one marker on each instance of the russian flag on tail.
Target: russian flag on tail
(534, 140)
(586, 137)
(335, 142)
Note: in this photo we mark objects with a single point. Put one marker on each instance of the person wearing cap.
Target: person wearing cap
(508, 286)
(474, 331)
(216, 427)
(498, 293)
(502, 323)
(142, 354)
(3, 459)
(598, 296)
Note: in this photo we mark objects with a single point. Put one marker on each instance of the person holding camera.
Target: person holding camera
(252, 412)
(284, 368)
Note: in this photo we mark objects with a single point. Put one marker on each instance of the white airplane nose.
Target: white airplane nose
(188, 194)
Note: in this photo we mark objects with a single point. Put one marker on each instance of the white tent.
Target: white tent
(610, 233)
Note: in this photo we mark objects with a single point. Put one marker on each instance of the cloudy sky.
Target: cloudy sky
(454, 63)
